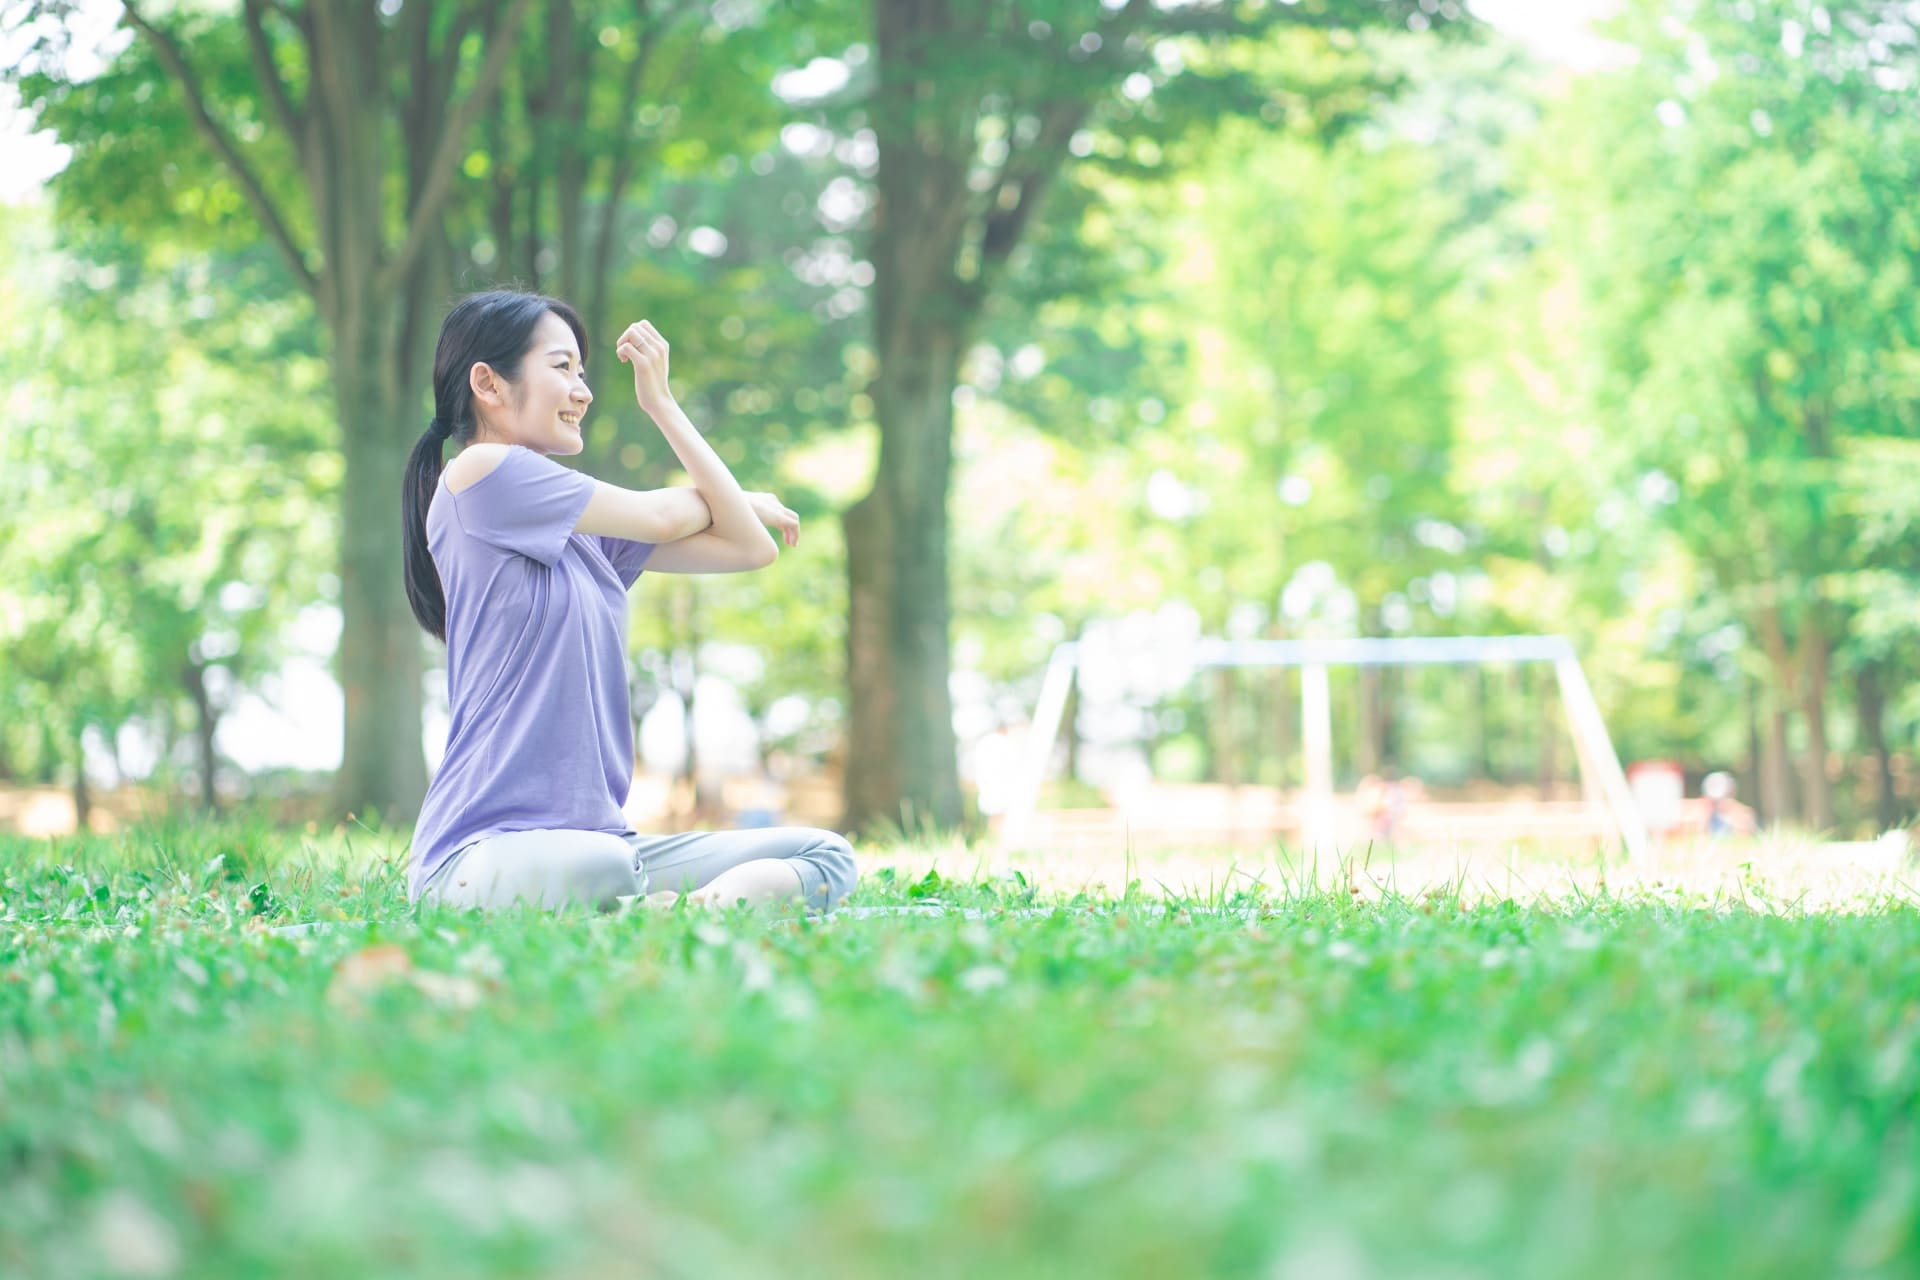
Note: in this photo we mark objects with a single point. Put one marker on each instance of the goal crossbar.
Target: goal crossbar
(1593, 747)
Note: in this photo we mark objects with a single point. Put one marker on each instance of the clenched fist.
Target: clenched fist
(643, 347)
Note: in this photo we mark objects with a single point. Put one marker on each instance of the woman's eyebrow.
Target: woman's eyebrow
(563, 351)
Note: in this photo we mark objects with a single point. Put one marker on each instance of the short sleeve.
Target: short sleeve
(528, 505)
(627, 557)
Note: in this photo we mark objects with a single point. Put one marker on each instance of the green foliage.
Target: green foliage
(1748, 255)
(164, 489)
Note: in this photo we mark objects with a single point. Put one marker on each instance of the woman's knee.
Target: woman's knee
(595, 878)
(830, 852)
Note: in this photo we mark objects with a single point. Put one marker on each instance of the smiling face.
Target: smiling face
(543, 406)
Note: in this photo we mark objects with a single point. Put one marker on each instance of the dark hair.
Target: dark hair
(494, 328)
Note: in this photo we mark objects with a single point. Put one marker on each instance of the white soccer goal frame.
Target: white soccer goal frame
(1600, 770)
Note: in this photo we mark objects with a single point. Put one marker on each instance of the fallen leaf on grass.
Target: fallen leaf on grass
(366, 971)
(374, 968)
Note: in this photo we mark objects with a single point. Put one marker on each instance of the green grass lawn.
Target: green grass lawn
(1301, 1085)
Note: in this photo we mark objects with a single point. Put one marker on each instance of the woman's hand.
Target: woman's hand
(774, 514)
(643, 347)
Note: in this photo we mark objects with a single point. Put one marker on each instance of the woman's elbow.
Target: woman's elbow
(763, 553)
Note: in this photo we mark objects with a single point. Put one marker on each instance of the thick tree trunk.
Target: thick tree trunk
(872, 785)
(937, 247)
(383, 769)
(902, 764)
(914, 400)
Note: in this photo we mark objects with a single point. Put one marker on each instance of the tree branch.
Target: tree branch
(243, 173)
(439, 183)
(446, 69)
(268, 73)
(1028, 174)
(626, 159)
(630, 87)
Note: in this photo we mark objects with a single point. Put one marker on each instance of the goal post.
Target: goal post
(1602, 778)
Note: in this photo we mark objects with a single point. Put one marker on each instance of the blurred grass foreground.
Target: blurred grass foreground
(992, 1075)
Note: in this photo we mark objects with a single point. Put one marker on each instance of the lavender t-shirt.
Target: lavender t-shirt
(536, 661)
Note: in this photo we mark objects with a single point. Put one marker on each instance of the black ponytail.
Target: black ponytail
(495, 329)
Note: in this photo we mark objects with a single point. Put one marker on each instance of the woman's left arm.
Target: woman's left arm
(690, 514)
(702, 552)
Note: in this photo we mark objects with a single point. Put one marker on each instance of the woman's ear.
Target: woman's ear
(488, 387)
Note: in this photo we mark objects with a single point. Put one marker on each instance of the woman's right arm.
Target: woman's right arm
(736, 541)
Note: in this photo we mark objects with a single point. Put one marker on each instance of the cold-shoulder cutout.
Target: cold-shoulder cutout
(472, 465)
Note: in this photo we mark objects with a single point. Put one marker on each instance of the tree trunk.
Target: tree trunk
(1393, 696)
(1549, 723)
(48, 770)
(1776, 783)
(914, 400)
(687, 640)
(1223, 764)
(1281, 719)
(902, 762)
(1871, 703)
(1776, 779)
(1816, 789)
(872, 786)
(1479, 730)
(82, 793)
(383, 770)
(1519, 691)
(1070, 732)
(1367, 750)
(206, 721)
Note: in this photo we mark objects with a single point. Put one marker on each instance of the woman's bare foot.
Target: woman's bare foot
(658, 900)
(765, 880)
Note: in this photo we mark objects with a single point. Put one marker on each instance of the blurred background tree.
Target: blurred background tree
(1283, 320)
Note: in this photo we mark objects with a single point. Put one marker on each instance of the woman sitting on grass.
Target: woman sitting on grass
(522, 567)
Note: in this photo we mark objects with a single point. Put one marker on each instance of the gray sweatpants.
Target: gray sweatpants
(559, 868)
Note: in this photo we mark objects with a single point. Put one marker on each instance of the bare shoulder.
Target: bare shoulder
(474, 464)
